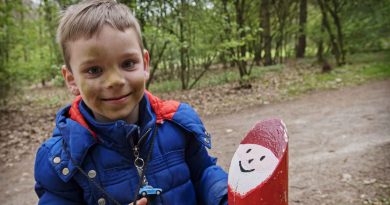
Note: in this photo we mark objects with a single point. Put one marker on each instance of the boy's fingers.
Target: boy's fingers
(142, 201)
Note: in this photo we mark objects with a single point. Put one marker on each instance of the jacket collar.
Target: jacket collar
(120, 135)
(181, 114)
(81, 131)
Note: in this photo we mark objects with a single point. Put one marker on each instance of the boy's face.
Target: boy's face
(109, 71)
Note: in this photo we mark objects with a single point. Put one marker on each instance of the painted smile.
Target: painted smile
(245, 170)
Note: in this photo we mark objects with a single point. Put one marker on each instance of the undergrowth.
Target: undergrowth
(360, 68)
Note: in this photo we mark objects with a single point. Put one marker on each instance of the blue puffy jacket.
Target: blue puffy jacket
(87, 162)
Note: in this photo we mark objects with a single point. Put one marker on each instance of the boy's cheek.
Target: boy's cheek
(87, 89)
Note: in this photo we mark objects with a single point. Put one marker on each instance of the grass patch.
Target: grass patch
(232, 75)
(216, 77)
(366, 68)
(378, 70)
(165, 86)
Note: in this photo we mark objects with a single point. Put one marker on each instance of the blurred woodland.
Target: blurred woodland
(188, 38)
(232, 60)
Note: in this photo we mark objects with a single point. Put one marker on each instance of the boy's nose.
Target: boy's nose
(115, 79)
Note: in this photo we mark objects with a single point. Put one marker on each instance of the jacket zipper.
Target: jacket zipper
(138, 161)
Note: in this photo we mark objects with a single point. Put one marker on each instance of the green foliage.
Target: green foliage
(186, 38)
(367, 32)
(27, 30)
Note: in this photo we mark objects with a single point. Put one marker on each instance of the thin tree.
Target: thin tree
(266, 35)
(334, 8)
(301, 45)
(332, 38)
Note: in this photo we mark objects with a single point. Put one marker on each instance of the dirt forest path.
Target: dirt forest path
(339, 147)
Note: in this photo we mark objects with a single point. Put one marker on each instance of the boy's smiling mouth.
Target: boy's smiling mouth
(245, 170)
(117, 99)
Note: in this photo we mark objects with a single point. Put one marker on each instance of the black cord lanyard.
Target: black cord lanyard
(89, 178)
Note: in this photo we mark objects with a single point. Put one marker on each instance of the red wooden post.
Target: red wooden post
(258, 173)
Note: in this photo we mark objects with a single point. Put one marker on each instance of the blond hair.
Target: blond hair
(86, 19)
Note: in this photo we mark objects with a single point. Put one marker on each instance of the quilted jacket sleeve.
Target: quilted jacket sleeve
(210, 180)
(49, 187)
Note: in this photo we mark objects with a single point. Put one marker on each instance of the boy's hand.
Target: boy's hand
(142, 201)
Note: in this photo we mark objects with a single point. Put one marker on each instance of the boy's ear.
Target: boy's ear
(70, 81)
(146, 64)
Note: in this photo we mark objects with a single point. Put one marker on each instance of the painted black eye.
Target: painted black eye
(261, 158)
(248, 150)
(249, 161)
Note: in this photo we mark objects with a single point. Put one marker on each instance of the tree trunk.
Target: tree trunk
(336, 19)
(281, 8)
(241, 50)
(301, 46)
(267, 39)
(332, 38)
(228, 30)
(258, 46)
(183, 66)
(22, 19)
(155, 64)
(340, 40)
(5, 52)
(183, 50)
(55, 56)
(320, 49)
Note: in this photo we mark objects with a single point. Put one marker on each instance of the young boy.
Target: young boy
(117, 142)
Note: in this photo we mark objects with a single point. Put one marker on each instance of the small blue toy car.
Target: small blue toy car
(149, 190)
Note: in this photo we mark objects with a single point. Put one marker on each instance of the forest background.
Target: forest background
(226, 57)
(203, 42)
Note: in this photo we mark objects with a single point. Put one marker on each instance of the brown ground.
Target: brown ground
(339, 146)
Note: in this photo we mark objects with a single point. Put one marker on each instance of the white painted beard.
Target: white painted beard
(247, 171)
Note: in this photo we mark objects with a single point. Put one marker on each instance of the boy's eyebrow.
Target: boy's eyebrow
(134, 55)
(131, 52)
(87, 62)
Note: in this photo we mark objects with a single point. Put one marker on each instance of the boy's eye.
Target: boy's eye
(94, 70)
(128, 64)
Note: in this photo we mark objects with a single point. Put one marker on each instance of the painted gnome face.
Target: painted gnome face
(251, 165)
